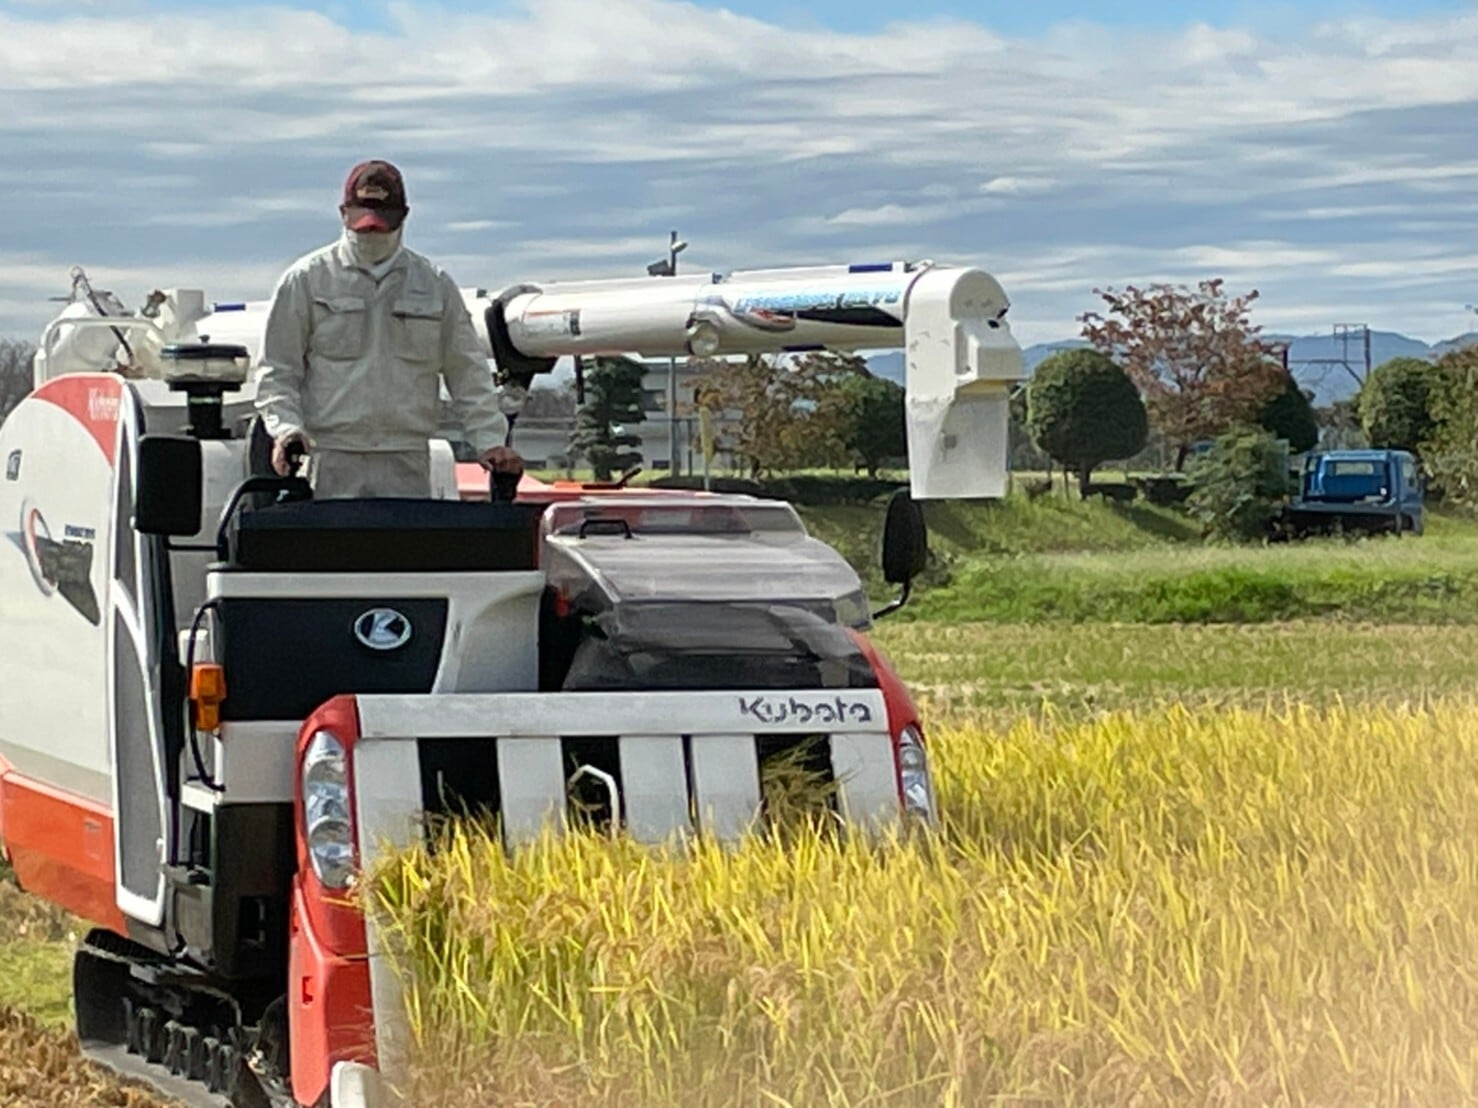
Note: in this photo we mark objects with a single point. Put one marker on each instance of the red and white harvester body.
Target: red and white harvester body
(269, 690)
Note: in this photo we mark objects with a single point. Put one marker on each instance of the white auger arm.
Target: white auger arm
(960, 356)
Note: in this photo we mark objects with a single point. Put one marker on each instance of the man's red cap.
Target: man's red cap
(374, 198)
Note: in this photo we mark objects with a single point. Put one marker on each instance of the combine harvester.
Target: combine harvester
(270, 690)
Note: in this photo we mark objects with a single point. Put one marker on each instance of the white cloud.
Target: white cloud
(207, 149)
(463, 225)
(888, 215)
(1016, 186)
(1251, 257)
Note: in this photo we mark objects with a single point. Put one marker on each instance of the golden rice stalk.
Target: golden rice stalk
(1171, 907)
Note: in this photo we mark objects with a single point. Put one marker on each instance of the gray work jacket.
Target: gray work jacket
(357, 363)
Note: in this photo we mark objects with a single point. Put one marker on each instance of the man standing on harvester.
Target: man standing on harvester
(360, 335)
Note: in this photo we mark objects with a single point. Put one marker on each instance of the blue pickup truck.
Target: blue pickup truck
(1358, 490)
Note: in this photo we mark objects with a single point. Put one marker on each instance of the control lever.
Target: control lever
(504, 487)
(296, 452)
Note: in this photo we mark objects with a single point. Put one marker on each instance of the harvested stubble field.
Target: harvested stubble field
(992, 673)
(39, 1066)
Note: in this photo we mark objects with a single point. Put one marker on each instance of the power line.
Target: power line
(1354, 351)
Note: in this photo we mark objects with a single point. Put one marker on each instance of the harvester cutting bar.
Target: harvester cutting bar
(679, 760)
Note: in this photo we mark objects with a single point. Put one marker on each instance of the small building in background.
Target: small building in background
(542, 432)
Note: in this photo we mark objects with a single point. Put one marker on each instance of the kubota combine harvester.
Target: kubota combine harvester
(219, 699)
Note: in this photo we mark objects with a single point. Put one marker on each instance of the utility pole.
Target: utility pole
(667, 267)
(1345, 335)
(1345, 332)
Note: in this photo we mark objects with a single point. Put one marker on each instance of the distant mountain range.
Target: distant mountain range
(1330, 365)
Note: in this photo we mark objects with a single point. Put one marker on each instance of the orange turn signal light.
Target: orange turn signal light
(207, 692)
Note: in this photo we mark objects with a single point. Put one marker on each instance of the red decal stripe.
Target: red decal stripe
(94, 400)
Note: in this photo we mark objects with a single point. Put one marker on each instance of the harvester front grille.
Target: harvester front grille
(654, 764)
(649, 786)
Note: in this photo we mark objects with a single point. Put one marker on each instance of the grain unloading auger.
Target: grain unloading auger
(220, 698)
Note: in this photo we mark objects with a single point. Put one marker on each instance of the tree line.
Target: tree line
(1186, 363)
(822, 410)
(1181, 365)
(1430, 409)
(15, 373)
(1189, 365)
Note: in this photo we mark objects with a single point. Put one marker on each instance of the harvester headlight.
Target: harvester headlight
(913, 774)
(332, 852)
(326, 822)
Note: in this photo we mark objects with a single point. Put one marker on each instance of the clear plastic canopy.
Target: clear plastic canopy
(727, 593)
(722, 549)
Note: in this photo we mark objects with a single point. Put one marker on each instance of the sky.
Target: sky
(1323, 153)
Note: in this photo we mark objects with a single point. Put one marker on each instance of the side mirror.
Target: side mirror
(905, 540)
(170, 486)
(905, 546)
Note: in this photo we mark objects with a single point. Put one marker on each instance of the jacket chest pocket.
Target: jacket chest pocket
(415, 329)
(339, 327)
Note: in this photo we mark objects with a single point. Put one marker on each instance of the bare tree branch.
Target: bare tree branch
(15, 373)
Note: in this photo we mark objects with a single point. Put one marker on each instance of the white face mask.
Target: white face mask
(372, 247)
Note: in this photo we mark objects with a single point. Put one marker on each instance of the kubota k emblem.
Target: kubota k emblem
(382, 629)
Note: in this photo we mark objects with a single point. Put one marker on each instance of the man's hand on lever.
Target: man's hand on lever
(502, 459)
(287, 451)
(506, 467)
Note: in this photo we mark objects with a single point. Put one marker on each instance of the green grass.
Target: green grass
(36, 978)
(35, 954)
(1060, 560)
(1433, 579)
(1013, 526)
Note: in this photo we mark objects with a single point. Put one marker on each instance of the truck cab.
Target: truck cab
(1359, 490)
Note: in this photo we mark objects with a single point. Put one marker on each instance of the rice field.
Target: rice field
(990, 673)
(1180, 864)
(1270, 903)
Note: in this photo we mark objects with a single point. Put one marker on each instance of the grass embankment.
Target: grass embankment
(1018, 560)
(1157, 907)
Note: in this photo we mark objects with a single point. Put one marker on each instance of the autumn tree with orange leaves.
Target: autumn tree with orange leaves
(1197, 358)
